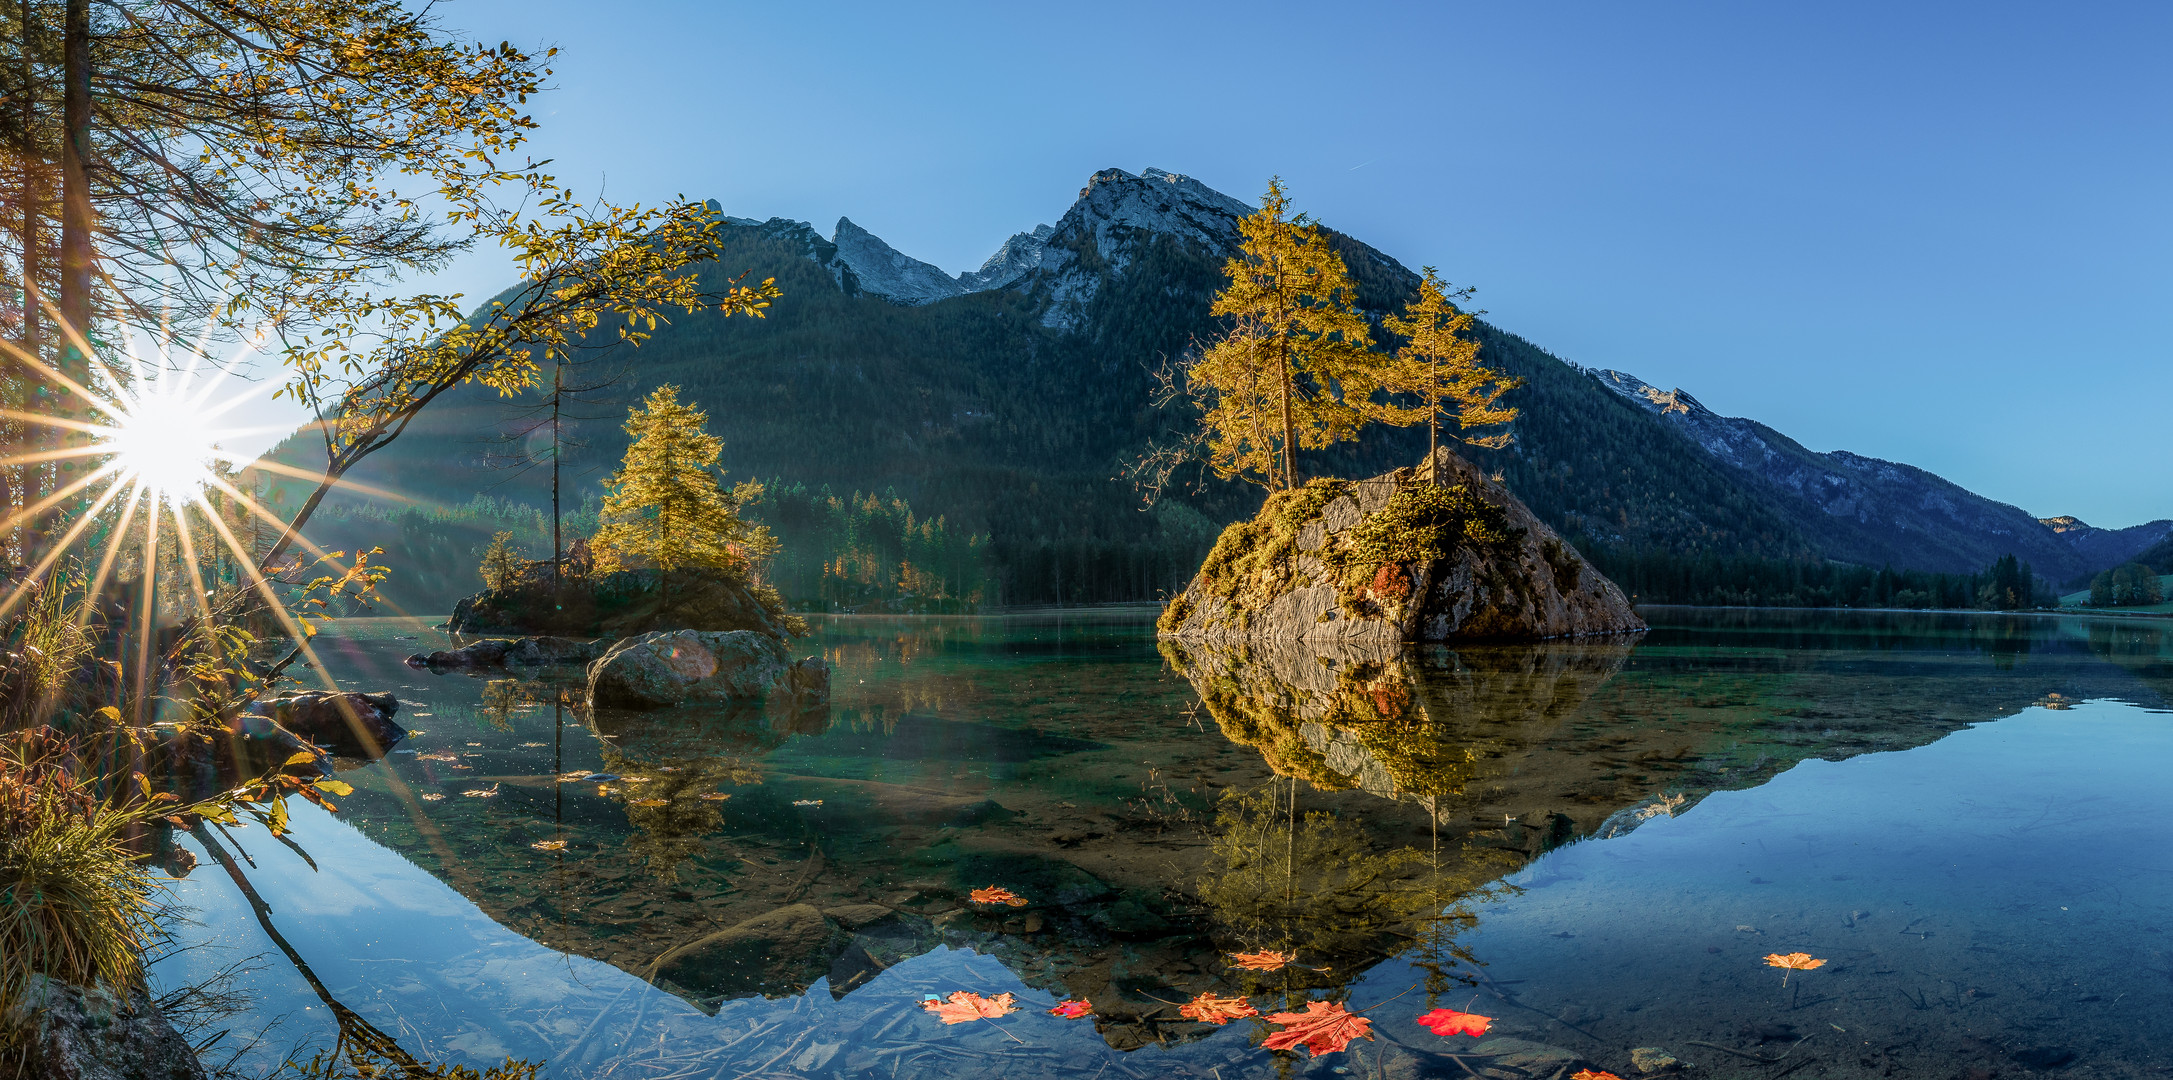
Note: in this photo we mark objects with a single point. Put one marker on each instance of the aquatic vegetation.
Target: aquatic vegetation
(995, 895)
(1209, 1009)
(1323, 1028)
(1264, 960)
(1445, 1022)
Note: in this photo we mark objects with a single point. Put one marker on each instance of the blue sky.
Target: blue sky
(1935, 233)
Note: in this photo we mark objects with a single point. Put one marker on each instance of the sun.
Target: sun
(163, 441)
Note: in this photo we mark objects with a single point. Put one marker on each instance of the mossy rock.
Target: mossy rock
(1435, 553)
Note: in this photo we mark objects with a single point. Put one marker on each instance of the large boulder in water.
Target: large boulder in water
(773, 954)
(667, 668)
(349, 724)
(627, 602)
(512, 652)
(1435, 553)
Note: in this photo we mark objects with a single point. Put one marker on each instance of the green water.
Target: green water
(1595, 843)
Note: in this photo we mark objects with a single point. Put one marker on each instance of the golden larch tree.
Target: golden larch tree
(1295, 370)
(1440, 367)
(668, 507)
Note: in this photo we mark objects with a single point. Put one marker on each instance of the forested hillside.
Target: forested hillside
(1011, 413)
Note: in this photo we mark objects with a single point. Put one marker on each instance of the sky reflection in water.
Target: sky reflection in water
(1991, 898)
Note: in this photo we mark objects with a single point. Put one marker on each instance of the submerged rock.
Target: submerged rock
(77, 1034)
(347, 723)
(1400, 557)
(512, 652)
(626, 602)
(666, 668)
(781, 952)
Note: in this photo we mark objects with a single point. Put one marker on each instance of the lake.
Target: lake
(1596, 843)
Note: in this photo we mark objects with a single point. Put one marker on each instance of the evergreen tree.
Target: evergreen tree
(666, 506)
(1440, 367)
(501, 564)
(1295, 370)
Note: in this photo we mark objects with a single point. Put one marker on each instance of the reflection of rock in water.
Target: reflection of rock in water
(1415, 725)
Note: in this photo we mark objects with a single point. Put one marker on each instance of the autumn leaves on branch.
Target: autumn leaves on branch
(1296, 368)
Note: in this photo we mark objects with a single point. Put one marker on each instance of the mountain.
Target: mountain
(1008, 401)
(2100, 548)
(1865, 510)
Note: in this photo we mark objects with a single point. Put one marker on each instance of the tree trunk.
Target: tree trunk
(1290, 433)
(31, 478)
(76, 258)
(558, 550)
(75, 233)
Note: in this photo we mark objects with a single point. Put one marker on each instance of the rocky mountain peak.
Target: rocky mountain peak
(1115, 213)
(883, 271)
(1018, 256)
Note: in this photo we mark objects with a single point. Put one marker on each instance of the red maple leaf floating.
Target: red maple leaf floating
(1264, 960)
(1072, 1010)
(1209, 1009)
(995, 895)
(966, 1006)
(1323, 1028)
(1593, 1074)
(1450, 1022)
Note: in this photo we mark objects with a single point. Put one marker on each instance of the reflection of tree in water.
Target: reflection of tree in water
(360, 1050)
(684, 754)
(1321, 886)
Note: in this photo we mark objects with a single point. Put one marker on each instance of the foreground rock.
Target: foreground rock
(512, 652)
(774, 954)
(667, 668)
(348, 724)
(84, 1035)
(1397, 558)
(624, 603)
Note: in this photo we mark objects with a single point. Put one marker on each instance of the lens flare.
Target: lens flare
(163, 441)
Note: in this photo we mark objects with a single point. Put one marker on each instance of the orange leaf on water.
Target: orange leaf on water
(1072, 1010)
(994, 895)
(1264, 960)
(1323, 1028)
(549, 845)
(1593, 1074)
(1447, 1022)
(1796, 961)
(966, 1006)
(650, 802)
(1209, 1009)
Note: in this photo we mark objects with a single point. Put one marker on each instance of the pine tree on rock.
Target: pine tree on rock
(1440, 367)
(1296, 370)
(668, 508)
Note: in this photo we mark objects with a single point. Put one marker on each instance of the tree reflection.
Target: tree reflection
(1321, 886)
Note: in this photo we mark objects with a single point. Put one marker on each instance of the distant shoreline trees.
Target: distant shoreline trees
(1660, 577)
(2130, 585)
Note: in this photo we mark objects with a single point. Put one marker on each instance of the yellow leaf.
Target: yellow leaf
(278, 823)
(336, 787)
(300, 757)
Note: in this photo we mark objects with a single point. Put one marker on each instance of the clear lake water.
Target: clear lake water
(1594, 843)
